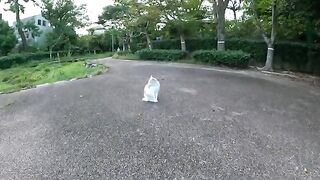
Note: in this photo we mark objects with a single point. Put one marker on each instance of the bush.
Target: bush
(228, 58)
(137, 46)
(8, 61)
(7, 38)
(160, 54)
(288, 55)
(123, 53)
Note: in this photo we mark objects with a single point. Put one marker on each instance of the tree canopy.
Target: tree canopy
(64, 16)
(7, 38)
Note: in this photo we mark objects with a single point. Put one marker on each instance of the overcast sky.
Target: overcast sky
(94, 8)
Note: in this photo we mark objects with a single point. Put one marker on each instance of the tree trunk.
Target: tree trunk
(220, 29)
(19, 26)
(123, 46)
(130, 40)
(112, 42)
(58, 55)
(50, 53)
(235, 14)
(221, 9)
(149, 43)
(310, 39)
(269, 61)
(183, 43)
(129, 47)
(270, 42)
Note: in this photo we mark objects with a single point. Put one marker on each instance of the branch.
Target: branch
(215, 9)
(274, 21)
(258, 23)
(225, 4)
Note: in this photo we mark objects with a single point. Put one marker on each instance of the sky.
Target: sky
(94, 9)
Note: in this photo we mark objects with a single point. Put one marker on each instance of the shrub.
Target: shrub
(228, 58)
(288, 55)
(160, 54)
(137, 46)
(8, 61)
(123, 53)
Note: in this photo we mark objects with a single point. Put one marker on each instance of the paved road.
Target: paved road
(209, 124)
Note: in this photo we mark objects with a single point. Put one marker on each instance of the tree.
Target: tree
(31, 27)
(182, 17)
(269, 41)
(64, 16)
(145, 20)
(7, 38)
(234, 6)
(303, 17)
(219, 10)
(130, 19)
(116, 17)
(17, 8)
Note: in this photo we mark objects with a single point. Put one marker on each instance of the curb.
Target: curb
(313, 80)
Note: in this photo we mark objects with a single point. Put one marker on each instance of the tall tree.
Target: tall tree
(18, 8)
(182, 17)
(269, 41)
(146, 19)
(219, 10)
(64, 16)
(116, 18)
(7, 38)
(305, 15)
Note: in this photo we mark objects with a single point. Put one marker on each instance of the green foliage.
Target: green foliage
(300, 20)
(34, 73)
(7, 38)
(137, 46)
(9, 61)
(229, 58)
(17, 7)
(114, 14)
(289, 56)
(64, 16)
(125, 56)
(162, 55)
(31, 27)
(244, 29)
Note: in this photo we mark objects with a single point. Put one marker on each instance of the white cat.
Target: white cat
(151, 90)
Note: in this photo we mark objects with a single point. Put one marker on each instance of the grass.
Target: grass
(35, 73)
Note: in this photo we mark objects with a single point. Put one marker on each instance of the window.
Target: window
(44, 23)
(39, 22)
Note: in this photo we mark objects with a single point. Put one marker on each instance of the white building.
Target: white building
(96, 30)
(44, 27)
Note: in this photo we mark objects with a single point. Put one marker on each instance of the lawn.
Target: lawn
(35, 73)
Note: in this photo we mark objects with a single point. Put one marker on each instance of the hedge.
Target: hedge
(288, 55)
(160, 54)
(229, 58)
(8, 61)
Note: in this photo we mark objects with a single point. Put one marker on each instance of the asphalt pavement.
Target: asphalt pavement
(210, 123)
